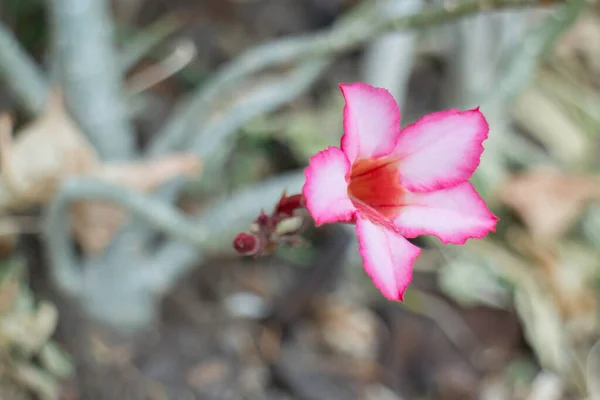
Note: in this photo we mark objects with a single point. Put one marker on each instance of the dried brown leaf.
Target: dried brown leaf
(569, 269)
(565, 270)
(549, 201)
(148, 175)
(43, 153)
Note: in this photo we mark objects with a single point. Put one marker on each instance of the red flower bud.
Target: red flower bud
(288, 204)
(246, 244)
(267, 232)
(263, 220)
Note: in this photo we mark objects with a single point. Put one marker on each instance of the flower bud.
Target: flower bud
(289, 226)
(288, 204)
(246, 244)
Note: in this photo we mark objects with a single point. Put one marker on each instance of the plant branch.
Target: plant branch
(346, 35)
(20, 74)
(90, 74)
(265, 98)
(227, 217)
(212, 144)
(208, 232)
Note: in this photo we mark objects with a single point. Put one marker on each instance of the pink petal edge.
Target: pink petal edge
(387, 257)
(325, 188)
(371, 121)
(441, 149)
(454, 215)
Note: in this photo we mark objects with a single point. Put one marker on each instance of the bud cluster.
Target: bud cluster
(284, 226)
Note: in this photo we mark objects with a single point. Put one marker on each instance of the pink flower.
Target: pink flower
(397, 183)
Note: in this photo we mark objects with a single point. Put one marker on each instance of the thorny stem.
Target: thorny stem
(348, 34)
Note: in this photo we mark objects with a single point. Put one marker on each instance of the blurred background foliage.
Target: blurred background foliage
(192, 116)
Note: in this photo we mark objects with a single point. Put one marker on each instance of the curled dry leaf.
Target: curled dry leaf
(549, 201)
(53, 148)
(567, 270)
(45, 151)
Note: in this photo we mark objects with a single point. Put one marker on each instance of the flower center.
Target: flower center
(375, 189)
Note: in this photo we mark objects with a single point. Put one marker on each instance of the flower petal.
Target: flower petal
(454, 215)
(441, 149)
(371, 121)
(387, 257)
(325, 189)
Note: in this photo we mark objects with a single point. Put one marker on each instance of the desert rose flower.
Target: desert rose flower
(396, 183)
